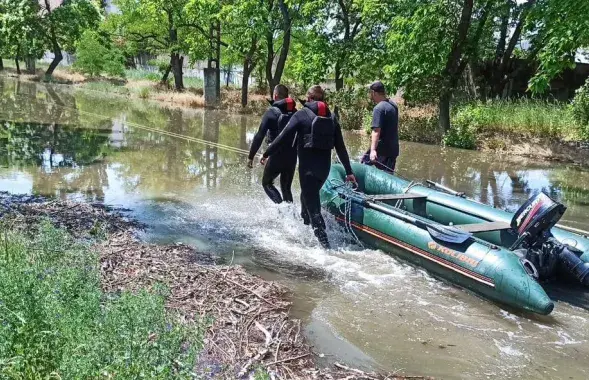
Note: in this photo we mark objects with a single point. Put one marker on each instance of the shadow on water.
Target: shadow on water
(360, 305)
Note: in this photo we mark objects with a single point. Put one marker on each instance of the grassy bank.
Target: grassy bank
(58, 323)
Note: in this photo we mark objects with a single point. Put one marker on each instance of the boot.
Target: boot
(322, 237)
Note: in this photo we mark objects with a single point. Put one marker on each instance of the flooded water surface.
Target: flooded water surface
(183, 172)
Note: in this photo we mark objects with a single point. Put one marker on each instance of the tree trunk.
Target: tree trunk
(58, 57)
(30, 64)
(228, 76)
(274, 79)
(1, 64)
(164, 80)
(444, 106)
(17, 66)
(339, 79)
(54, 44)
(177, 61)
(245, 83)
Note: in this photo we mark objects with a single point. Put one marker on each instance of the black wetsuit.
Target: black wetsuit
(283, 163)
(314, 165)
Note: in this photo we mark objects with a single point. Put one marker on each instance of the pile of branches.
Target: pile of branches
(81, 220)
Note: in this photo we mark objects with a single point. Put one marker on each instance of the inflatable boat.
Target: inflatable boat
(502, 256)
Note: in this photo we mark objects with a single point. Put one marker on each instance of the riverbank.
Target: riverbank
(145, 85)
(77, 278)
(526, 128)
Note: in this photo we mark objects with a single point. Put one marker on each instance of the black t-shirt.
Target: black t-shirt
(386, 117)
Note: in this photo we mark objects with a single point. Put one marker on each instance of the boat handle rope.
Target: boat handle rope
(335, 184)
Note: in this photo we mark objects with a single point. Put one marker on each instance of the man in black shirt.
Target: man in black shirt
(317, 134)
(284, 162)
(384, 147)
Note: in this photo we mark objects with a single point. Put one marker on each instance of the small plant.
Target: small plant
(144, 93)
(580, 109)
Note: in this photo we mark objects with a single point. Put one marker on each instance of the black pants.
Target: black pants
(384, 163)
(283, 166)
(311, 206)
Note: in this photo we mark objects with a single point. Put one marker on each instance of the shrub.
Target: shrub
(580, 109)
(352, 106)
(94, 58)
(90, 54)
(460, 136)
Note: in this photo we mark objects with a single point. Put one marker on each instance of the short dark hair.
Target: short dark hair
(378, 87)
(281, 91)
(316, 93)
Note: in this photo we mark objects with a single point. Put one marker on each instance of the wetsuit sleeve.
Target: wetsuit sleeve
(285, 136)
(340, 148)
(262, 130)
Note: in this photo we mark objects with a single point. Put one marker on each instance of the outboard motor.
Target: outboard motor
(533, 222)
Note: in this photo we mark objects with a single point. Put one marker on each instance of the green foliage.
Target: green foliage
(352, 104)
(461, 135)
(559, 28)
(70, 20)
(21, 29)
(94, 58)
(56, 322)
(580, 109)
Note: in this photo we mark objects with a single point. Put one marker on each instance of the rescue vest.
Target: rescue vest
(322, 134)
(283, 119)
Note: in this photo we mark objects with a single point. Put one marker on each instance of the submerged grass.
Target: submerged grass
(55, 322)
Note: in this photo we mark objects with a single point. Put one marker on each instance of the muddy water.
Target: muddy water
(183, 172)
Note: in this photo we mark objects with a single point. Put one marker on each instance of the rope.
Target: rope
(150, 129)
(335, 184)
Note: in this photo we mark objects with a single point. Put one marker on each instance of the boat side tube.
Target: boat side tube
(450, 209)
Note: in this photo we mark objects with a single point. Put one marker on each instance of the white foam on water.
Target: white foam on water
(507, 349)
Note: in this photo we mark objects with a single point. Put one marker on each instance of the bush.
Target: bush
(580, 109)
(94, 58)
(352, 106)
(460, 136)
(56, 322)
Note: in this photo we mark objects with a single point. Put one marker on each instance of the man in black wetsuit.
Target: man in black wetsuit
(283, 163)
(384, 147)
(317, 133)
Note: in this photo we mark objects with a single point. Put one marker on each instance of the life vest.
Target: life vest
(283, 119)
(322, 133)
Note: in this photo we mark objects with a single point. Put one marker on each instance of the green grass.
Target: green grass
(56, 323)
(526, 118)
(138, 74)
